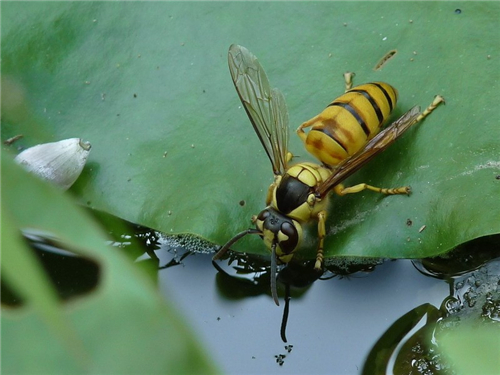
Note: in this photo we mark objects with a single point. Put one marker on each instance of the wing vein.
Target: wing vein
(265, 107)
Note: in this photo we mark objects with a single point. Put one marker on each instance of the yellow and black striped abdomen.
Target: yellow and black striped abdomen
(346, 124)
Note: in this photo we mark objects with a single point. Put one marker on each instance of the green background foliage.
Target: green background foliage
(102, 332)
(148, 85)
(472, 349)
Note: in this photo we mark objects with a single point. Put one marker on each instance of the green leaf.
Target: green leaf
(380, 358)
(148, 85)
(22, 272)
(472, 349)
(124, 325)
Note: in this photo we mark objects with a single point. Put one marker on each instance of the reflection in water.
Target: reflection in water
(249, 275)
(408, 346)
(71, 274)
(406, 343)
(411, 344)
(331, 314)
(463, 259)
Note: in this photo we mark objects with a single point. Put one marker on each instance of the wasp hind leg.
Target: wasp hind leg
(300, 130)
(348, 76)
(341, 190)
(318, 265)
(438, 99)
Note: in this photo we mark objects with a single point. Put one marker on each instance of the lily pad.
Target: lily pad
(148, 85)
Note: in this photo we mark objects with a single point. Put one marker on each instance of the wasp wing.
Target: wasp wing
(375, 146)
(265, 107)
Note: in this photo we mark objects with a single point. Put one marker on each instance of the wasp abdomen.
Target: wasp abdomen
(347, 123)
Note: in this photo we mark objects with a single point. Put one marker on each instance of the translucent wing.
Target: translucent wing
(375, 146)
(265, 107)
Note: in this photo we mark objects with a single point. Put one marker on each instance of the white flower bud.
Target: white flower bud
(59, 162)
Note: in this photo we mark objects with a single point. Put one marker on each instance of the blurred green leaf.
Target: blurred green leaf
(122, 326)
(381, 360)
(23, 273)
(473, 349)
(148, 85)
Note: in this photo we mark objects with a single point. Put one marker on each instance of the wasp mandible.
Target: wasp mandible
(344, 137)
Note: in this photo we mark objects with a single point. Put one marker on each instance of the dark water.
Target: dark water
(386, 315)
(332, 327)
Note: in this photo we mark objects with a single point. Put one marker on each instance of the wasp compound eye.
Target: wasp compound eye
(288, 237)
(263, 215)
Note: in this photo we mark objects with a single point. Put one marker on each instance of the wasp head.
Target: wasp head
(281, 234)
(279, 231)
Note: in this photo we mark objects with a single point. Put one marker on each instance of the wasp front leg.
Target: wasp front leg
(341, 190)
(272, 188)
(321, 237)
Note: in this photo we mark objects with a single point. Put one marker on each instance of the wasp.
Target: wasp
(343, 137)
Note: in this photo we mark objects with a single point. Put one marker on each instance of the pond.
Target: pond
(380, 320)
(332, 326)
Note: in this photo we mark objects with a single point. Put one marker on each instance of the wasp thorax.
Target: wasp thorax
(279, 230)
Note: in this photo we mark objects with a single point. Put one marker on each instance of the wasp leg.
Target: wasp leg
(321, 236)
(300, 130)
(269, 196)
(272, 187)
(341, 190)
(348, 76)
(438, 99)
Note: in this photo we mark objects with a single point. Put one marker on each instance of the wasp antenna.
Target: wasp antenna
(284, 321)
(274, 266)
(219, 254)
